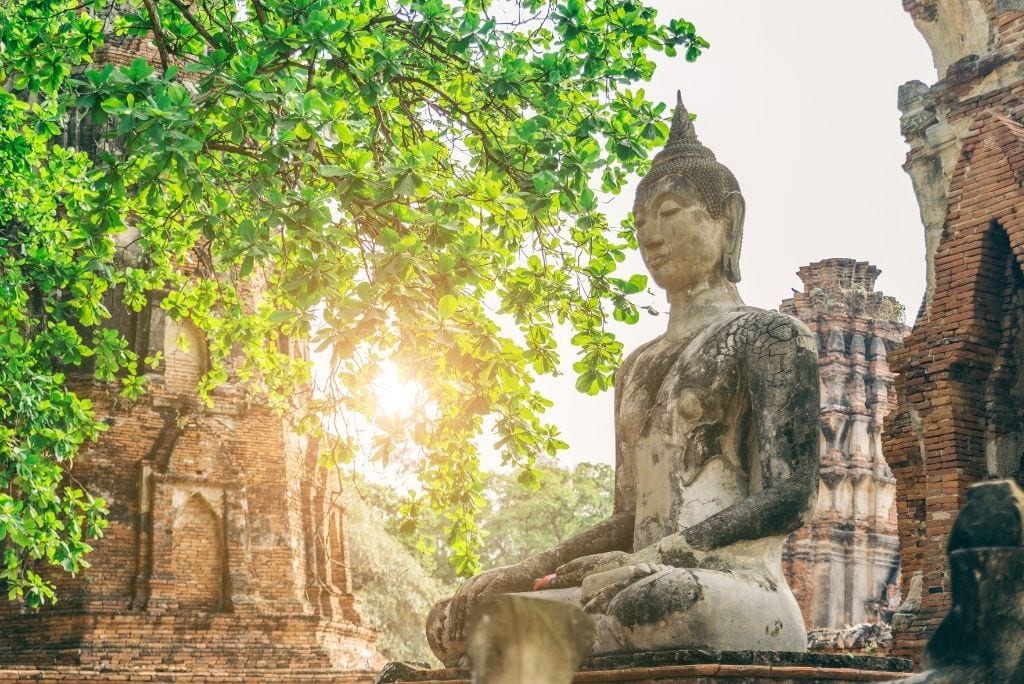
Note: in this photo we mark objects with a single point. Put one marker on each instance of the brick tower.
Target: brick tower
(843, 565)
(225, 557)
(960, 390)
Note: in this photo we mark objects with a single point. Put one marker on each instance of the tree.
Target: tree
(516, 522)
(386, 179)
(521, 522)
(379, 561)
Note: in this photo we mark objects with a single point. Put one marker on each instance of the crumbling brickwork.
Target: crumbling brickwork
(226, 549)
(843, 565)
(959, 386)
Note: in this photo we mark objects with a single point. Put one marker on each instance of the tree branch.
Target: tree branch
(158, 33)
(190, 18)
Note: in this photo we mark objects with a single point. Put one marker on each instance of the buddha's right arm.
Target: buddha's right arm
(613, 534)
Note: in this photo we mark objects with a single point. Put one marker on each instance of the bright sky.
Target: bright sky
(798, 98)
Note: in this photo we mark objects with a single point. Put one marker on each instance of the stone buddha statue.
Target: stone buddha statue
(716, 427)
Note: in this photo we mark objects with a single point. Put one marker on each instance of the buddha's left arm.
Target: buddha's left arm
(782, 381)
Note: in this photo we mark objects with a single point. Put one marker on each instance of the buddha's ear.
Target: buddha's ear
(733, 211)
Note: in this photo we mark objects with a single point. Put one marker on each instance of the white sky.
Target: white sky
(798, 98)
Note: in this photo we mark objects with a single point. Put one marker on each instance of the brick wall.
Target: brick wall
(225, 547)
(958, 385)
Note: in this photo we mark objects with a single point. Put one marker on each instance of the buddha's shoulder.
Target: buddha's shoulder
(761, 329)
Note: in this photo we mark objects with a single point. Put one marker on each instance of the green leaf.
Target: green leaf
(279, 317)
(446, 306)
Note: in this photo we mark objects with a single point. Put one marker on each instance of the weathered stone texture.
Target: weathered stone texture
(981, 640)
(716, 430)
(959, 389)
(843, 565)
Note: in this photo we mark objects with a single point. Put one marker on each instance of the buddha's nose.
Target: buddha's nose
(652, 240)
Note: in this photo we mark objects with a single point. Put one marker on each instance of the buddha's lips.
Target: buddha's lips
(542, 582)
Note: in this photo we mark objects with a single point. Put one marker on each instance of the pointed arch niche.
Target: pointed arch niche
(1002, 284)
(197, 556)
(960, 373)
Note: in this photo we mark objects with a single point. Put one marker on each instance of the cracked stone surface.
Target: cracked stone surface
(716, 449)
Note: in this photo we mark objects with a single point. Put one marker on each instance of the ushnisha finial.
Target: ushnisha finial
(682, 126)
(685, 156)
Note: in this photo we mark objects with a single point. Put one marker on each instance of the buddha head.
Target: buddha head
(689, 213)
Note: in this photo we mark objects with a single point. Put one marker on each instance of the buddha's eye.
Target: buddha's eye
(668, 208)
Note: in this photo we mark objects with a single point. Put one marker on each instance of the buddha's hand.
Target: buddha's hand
(599, 589)
(572, 574)
(504, 580)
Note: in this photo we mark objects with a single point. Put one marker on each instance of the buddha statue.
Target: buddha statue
(716, 426)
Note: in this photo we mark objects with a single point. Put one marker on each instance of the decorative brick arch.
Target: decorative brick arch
(197, 557)
(936, 440)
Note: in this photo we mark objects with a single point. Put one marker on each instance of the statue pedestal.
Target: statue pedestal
(710, 667)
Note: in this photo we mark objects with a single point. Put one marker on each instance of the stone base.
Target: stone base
(700, 667)
(87, 676)
(136, 646)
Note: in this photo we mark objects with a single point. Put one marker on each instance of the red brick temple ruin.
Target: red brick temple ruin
(960, 389)
(843, 566)
(225, 558)
(226, 548)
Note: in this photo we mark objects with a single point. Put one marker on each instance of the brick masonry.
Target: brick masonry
(226, 546)
(843, 565)
(226, 553)
(959, 388)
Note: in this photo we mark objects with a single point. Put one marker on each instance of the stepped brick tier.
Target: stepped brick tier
(226, 548)
(843, 565)
(700, 667)
(960, 391)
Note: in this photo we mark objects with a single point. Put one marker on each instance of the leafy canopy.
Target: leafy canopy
(404, 180)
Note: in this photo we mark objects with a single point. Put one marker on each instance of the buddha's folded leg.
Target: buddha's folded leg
(682, 608)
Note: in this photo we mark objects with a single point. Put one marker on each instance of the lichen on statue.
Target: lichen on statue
(716, 425)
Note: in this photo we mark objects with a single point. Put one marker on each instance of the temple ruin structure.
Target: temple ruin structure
(225, 555)
(960, 392)
(843, 565)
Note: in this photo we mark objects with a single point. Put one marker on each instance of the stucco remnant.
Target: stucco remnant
(843, 565)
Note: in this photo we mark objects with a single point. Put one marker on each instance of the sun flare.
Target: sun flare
(394, 396)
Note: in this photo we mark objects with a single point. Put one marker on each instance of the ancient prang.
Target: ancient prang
(225, 556)
(960, 388)
(843, 565)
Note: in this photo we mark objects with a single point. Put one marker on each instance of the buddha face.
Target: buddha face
(682, 244)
